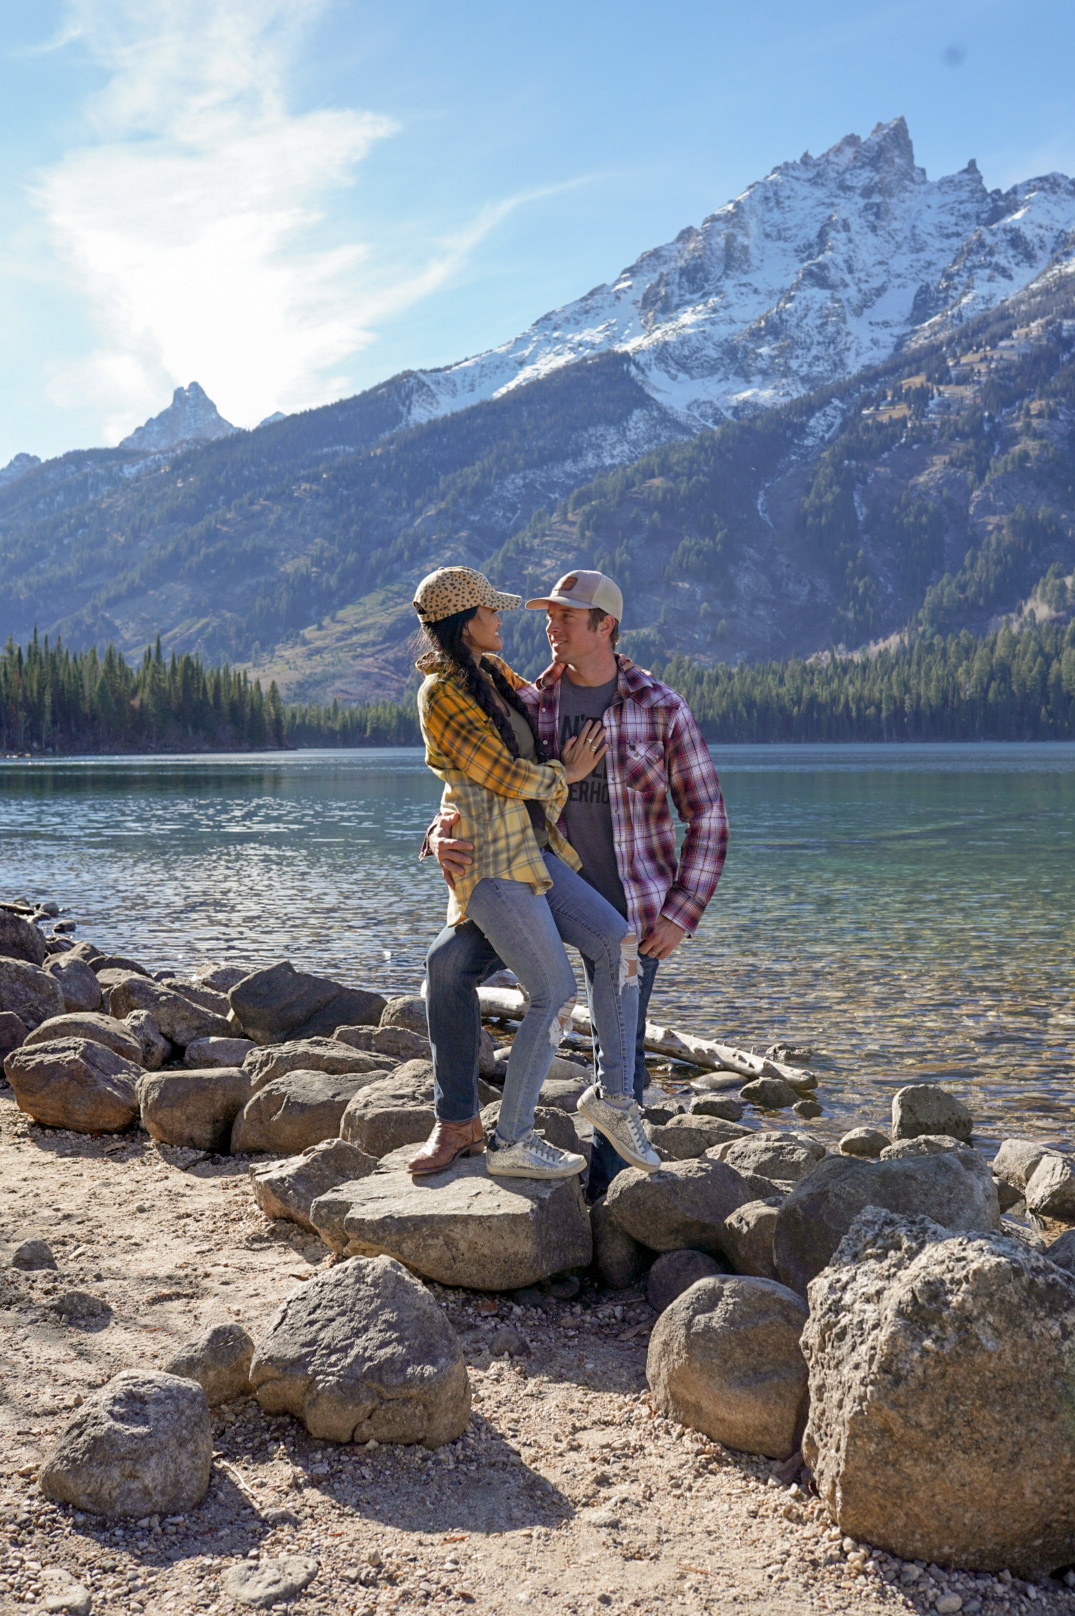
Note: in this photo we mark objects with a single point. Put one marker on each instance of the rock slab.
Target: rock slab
(362, 1353)
(141, 1445)
(461, 1227)
(263, 1583)
(288, 1189)
(942, 1380)
(955, 1189)
(724, 1358)
(75, 1083)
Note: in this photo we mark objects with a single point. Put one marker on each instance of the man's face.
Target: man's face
(570, 634)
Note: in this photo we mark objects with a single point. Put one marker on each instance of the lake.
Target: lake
(905, 913)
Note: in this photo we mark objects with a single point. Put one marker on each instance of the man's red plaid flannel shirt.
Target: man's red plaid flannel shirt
(654, 748)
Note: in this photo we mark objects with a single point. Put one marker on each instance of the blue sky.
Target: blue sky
(289, 200)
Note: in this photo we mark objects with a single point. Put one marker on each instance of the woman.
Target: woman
(522, 888)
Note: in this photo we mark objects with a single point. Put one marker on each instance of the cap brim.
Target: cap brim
(507, 603)
(557, 600)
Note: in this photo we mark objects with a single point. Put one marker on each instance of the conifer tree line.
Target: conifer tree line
(55, 699)
(1011, 685)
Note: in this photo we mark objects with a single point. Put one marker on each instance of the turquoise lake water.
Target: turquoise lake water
(903, 912)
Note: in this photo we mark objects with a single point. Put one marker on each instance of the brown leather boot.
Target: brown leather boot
(447, 1141)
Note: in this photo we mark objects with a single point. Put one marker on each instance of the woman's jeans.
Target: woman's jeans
(525, 928)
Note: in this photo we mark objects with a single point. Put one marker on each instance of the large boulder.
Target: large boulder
(29, 992)
(308, 1055)
(218, 1359)
(293, 1112)
(688, 1135)
(80, 988)
(724, 1358)
(682, 1204)
(747, 1238)
(289, 1188)
(75, 1083)
(1050, 1190)
(141, 1445)
(20, 939)
(927, 1108)
(193, 1109)
(955, 1189)
(279, 1003)
(202, 994)
(363, 1352)
(783, 1158)
(942, 1383)
(461, 1227)
(393, 1111)
(1017, 1159)
(675, 1272)
(89, 1024)
(178, 1017)
(406, 1010)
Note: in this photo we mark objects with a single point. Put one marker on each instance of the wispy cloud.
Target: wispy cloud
(190, 223)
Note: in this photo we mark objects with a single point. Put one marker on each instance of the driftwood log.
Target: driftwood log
(681, 1046)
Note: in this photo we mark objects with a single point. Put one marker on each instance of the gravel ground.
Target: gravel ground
(566, 1493)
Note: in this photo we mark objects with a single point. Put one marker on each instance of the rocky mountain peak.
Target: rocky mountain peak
(191, 417)
(17, 466)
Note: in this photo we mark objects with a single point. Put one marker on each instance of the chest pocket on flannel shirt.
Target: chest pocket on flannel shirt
(644, 768)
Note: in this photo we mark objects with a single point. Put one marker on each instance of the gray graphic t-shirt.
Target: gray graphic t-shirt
(588, 815)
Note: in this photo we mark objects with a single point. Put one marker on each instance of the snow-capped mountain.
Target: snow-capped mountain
(826, 265)
(191, 417)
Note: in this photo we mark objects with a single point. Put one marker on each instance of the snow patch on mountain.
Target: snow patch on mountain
(826, 265)
(191, 417)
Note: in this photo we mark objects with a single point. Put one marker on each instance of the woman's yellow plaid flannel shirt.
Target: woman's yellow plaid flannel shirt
(487, 787)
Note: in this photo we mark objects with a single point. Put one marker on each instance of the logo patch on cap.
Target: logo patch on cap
(569, 582)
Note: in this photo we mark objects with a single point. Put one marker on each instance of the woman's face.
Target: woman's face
(482, 633)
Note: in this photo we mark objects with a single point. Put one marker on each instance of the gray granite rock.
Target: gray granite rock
(75, 1083)
(724, 1358)
(682, 1204)
(206, 1052)
(927, 1108)
(461, 1227)
(218, 1359)
(288, 1189)
(291, 1113)
(955, 1189)
(193, 1109)
(395, 1110)
(12, 1032)
(265, 1064)
(364, 1352)
(279, 1003)
(939, 1363)
(179, 1018)
(99, 1029)
(29, 992)
(20, 939)
(80, 988)
(141, 1445)
(864, 1142)
(675, 1272)
(747, 1237)
(1050, 1190)
(155, 1047)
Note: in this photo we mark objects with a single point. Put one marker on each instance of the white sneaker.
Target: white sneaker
(622, 1127)
(531, 1157)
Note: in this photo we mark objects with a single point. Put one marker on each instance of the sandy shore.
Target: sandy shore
(565, 1494)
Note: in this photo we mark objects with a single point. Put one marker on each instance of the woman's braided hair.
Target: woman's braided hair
(446, 641)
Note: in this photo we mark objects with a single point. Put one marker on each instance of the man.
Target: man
(617, 820)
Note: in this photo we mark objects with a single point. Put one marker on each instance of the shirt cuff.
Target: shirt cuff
(683, 908)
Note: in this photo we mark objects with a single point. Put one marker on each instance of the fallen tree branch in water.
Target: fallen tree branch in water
(683, 1046)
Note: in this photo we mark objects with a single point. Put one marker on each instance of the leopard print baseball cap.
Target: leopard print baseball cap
(456, 589)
